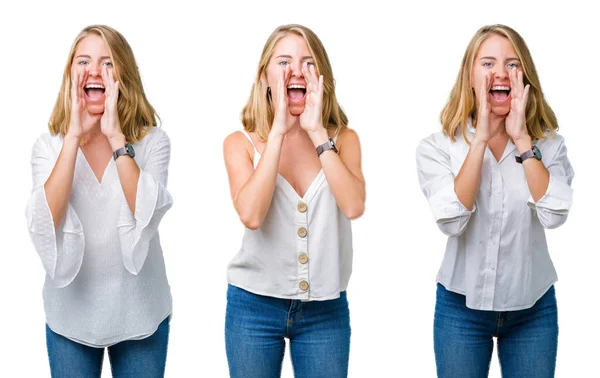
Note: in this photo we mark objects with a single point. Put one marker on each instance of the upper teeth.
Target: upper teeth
(296, 86)
(95, 86)
(500, 88)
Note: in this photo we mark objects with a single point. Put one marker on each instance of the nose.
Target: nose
(500, 72)
(297, 69)
(95, 69)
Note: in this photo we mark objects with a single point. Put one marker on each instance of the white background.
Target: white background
(394, 67)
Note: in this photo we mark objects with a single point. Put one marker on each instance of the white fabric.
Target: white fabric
(268, 261)
(496, 254)
(105, 274)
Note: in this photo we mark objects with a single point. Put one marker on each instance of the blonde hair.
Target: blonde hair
(461, 104)
(258, 113)
(136, 115)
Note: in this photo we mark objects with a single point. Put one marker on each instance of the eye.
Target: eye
(107, 64)
(487, 64)
(83, 63)
(310, 63)
(512, 65)
(283, 63)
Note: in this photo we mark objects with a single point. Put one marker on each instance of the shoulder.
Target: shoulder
(434, 142)
(237, 141)
(48, 143)
(156, 134)
(348, 138)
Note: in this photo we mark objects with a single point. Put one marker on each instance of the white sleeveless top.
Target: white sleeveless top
(302, 249)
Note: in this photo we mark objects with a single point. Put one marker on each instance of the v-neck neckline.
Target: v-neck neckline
(91, 171)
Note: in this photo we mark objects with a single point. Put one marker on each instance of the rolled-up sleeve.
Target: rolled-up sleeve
(437, 183)
(553, 208)
(61, 249)
(136, 231)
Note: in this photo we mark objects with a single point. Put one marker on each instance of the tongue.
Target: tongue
(295, 94)
(95, 93)
(500, 96)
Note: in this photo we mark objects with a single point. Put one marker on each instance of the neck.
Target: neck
(93, 136)
(497, 122)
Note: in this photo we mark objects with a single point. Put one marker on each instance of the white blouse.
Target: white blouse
(496, 254)
(105, 274)
(303, 248)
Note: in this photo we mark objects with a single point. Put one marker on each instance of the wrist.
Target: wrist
(318, 136)
(523, 144)
(117, 141)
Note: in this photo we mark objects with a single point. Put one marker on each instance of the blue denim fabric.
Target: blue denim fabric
(463, 338)
(133, 358)
(256, 326)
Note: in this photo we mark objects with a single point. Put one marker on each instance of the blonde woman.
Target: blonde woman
(99, 193)
(296, 182)
(495, 178)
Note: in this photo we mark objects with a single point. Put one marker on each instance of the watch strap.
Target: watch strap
(329, 145)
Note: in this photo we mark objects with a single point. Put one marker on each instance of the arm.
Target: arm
(552, 206)
(466, 183)
(438, 184)
(151, 199)
(343, 172)
(58, 241)
(251, 190)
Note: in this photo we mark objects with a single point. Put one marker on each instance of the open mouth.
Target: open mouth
(296, 92)
(94, 91)
(500, 93)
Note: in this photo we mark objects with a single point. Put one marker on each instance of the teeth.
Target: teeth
(296, 86)
(100, 86)
(500, 88)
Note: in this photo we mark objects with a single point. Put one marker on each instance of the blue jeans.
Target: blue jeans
(256, 325)
(133, 358)
(463, 338)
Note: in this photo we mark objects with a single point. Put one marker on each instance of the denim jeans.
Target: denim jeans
(256, 326)
(463, 338)
(133, 358)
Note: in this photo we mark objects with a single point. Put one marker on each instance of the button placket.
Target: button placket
(493, 248)
(302, 252)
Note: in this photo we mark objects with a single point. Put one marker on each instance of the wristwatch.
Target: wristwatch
(533, 153)
(125, 150)
(329, 145)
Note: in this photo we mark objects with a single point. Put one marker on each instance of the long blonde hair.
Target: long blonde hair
(258, 113)
(136, 115)
(461, 104)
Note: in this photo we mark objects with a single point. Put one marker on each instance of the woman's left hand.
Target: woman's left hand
(109, 123)
(516, 125)
(311, 119)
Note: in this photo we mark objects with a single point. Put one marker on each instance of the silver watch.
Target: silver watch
(329, 145)
(125, 150)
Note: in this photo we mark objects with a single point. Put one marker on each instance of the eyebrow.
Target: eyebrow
(89, 57)
(492, 58)
(290, 57)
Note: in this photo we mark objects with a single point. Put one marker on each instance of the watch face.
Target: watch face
(537, 153)
(130, 150)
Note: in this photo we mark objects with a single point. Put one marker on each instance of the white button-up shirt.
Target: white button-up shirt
(496, 254)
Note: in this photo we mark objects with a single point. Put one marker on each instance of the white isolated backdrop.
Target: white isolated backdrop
(394, 65)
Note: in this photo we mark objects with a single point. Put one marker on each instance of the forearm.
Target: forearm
(253, 200)
(58, 186)
(466, 183)
(536, 174)
(347, 189)
(129, 172)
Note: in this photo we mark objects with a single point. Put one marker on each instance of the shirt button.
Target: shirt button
(303, 285)
(303, 258)
(302, 207)
(302, 232)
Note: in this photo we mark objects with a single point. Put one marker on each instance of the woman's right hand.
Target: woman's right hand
(80, 123)
(482, 129)
(283, 120)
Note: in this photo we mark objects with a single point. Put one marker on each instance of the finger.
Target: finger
(525, 96)
(321, 85)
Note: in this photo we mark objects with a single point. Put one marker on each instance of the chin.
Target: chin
(296, 110)
(501, 111)
(95, 109)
